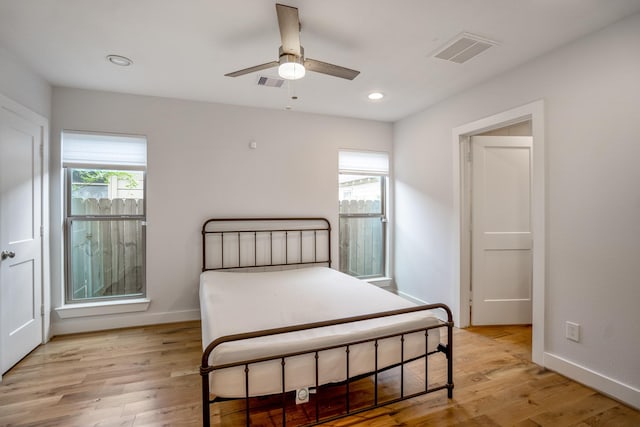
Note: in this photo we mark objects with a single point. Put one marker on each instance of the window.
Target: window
(362, 187)
(105, 216)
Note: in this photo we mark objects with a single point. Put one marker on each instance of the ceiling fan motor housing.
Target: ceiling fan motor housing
(290, 57)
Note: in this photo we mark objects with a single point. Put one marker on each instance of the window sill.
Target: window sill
(378, 279)
(383, 282)
(69, 311)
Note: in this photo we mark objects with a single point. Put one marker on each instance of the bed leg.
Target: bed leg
(206, 415)
(450, 360)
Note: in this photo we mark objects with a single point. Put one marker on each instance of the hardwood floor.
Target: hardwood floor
(149, 376)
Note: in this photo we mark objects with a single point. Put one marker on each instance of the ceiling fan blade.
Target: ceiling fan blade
(289, 28)
(330, 69)
(253, 69)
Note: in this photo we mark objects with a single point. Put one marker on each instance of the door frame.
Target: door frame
(534, 112)
(43, 124)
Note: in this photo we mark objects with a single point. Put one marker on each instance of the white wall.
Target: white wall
(20, 83)
(200, 166)
(591, 90)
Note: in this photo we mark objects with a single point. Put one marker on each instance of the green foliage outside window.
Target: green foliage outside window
(98, 176)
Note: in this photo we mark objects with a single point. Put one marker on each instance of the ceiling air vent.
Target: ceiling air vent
(270, 81)
(464, 47)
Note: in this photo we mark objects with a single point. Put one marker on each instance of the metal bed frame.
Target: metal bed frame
(232, 234)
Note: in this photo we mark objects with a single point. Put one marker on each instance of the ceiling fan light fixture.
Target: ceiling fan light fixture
(291, 67)
(292, 64)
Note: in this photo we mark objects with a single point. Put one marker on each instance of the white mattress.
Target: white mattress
(237, 302)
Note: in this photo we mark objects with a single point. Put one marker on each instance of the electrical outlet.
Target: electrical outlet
(302, 395)
(572, 331)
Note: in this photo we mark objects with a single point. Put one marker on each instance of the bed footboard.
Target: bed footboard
(445, 348)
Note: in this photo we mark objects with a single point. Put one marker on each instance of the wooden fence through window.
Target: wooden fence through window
(361, 238)
(107, 254)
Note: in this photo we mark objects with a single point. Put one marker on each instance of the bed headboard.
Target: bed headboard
(258, 243)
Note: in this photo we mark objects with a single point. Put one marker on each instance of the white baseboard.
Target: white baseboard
(411, 298)
(440, 314)
(88, 324)
(609, 386)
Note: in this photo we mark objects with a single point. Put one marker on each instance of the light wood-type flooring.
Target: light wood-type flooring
(148, 376)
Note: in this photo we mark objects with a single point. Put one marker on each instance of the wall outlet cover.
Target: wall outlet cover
(572, 331)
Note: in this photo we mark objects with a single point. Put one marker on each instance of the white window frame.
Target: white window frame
(123, 156)
(369, 163)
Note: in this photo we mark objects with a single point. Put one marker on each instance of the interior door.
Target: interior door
(501, 243)
(20, 238)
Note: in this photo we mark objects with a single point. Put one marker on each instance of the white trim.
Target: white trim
(102, 323)
(465, 232)
(101, 308)
(411, 298)
(382, 282)
(46, 258)
(609, 386)
(535, 112)
(440, 314)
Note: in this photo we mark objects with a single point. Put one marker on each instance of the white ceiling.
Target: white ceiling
(183, 48)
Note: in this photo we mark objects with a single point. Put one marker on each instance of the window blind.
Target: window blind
(89, 150)
(363, 162)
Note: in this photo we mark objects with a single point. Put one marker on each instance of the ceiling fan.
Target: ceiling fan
(292, 64)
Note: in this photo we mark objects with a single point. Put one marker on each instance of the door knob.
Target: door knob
(7, 254)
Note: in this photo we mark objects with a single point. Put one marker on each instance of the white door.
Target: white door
(501, 256)
(20, 238)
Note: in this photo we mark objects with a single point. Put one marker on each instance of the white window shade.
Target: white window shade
(82, 150)
(363, 162)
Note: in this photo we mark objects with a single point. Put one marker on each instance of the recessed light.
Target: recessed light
(376, 96)
(119, 60)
